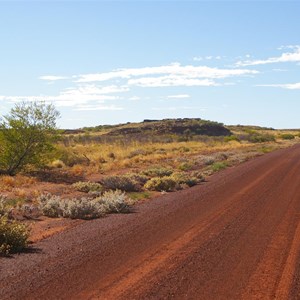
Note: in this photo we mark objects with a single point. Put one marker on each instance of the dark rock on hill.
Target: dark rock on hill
(186, 127)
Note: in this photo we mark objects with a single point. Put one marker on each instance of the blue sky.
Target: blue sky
(108, 62)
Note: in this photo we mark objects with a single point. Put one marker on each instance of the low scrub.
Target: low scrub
(217, 166)
(198, 175)
(176, 181)
(166, 183)
(87, 186)
(261, 138)
(121, 182)
(84, 208)
(114, 202)
(158, 172)
(231, 138)
(183, 179)
(186, 166)
(140, 178)
(13, 236)
(137, 152)
(4, 210)
(287, 136)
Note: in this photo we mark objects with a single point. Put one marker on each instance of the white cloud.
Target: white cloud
(208, 57)
(174, 69)
(165, 81)
(174, 108)
(73, 97)
(98, 107)
(197, 58)
(178, 96)
(284, 57)
(289, 86)
(134, 98)
(91, 89)
(52, 77)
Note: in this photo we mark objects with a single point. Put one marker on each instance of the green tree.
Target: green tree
(26, 135)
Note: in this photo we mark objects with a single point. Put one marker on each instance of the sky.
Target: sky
(109, 62)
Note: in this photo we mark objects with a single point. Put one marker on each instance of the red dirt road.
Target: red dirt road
(234, 237)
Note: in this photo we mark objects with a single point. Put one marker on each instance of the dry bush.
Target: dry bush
(158, 172)
(139, 178)
(166, 183)
(9, 182)
(121, 182)
(84, 208)
(58, 164)
(13, 236)
(77, 170)
(183, 179)
(114, 202)
(87, 186)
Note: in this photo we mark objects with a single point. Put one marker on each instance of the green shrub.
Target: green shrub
(139, 178)
(261, 138)
(231, 138)
(198, 175)
(265, 149)
(158, 172)
(69, 158)
(27, 135)
(4, 210)
(217, 166)
(87, 186)
(136, 196)
(58, 164)
(13, 236)
(287, 136)
(165, 183)
(121, 182)
(184, 179)
(185, 166)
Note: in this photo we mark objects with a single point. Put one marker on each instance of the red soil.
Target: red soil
(235, 237)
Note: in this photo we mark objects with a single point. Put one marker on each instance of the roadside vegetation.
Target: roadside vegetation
(91, 172)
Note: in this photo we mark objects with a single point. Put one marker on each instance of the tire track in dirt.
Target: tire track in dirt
(130, 276)
(228, 286)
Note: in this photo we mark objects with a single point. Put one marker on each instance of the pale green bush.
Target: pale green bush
(121, 182)
(158, 172)
(13, 236)
(114, 202)
(88, 186)
(50, 205)
(139, 178)
(184, 179)
(165, 183)
(84, 208)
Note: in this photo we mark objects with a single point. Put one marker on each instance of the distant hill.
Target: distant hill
(172, 126)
